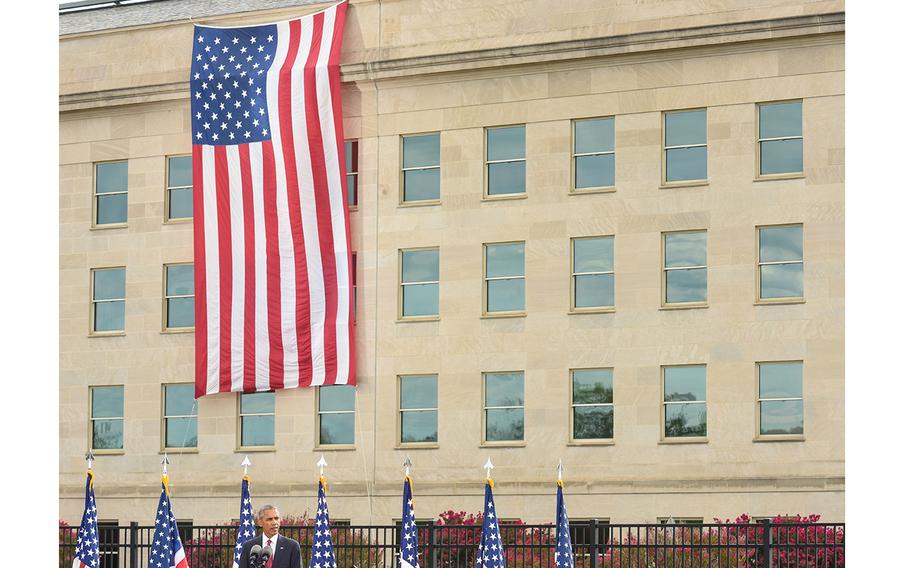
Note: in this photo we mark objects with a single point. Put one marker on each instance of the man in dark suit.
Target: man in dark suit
(286, 551)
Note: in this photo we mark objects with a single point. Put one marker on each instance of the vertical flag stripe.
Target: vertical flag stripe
(223, 202)
(199, 267)
(238, 266)
(273, 269)
(248, 380)
(212, 277)
(263, 346)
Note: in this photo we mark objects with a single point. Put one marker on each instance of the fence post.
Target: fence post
(592, 544)
(766, 543)
(431, 547)
(134, 544)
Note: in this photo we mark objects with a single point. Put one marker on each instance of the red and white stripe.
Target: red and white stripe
(272, 234)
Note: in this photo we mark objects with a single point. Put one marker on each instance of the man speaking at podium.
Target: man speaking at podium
(285, 552)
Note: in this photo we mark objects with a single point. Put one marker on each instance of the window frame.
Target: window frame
(573, 441)
(91, 421)
(355, 156)
(354, 287)
(758, 140)
(682, 521)
(486, 164)
(401, 171)
(485, 314)
(759, 437)
(163, 447)
(318, 415)
(484, 408)
(664, 304)
(664, 184)
(102, 226)
(165, 298)
(168, 220)
(573, 190)
(239, 442)
(664, 439)
(416, 445)
(573, 309)
(92, 302)
(758, 266)
(401, 284)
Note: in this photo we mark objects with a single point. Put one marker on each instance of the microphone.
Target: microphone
(265, 555)
(255, 552)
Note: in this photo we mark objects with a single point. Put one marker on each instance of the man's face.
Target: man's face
(270, 521)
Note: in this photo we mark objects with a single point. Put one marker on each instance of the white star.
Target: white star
(267, 57)
(205, 85)
(199, 57)
(196, 76)
(206, 125)
(215, 136)
(224, 49)
(265, 132)
(261, 48)
(234, 41)
(246, 134)
(231, 135)
(253, 39)
(199, 39)
(198, 135)
(243, 49)
(217, 40)
(208, 48)
(270, 38)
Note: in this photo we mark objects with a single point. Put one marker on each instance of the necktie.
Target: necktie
(268, 563)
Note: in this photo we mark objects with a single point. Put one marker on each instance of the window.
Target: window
(420, 168)
(592, 404)
(780, 398)
(110, 193)
(581, 532)
(107, 417)
(594, 156)
(108, 299)
(592, 273)
(504, 277)
(108, 544)
(685, 402)
(351, 169)
(179, 306)
(780, 138)
(179, 188)
(503, 407)
(419, 283)
(257, 419)
(185, 530)
(418, 412)
(681, 520)
(685, 146)
(685, 267)
(336, 415)
(780, 262)
(180, 422)
(505, 160)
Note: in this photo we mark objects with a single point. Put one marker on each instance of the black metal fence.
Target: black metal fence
(595, 544)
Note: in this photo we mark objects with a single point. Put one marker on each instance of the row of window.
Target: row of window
(684, 160)
(684, 409)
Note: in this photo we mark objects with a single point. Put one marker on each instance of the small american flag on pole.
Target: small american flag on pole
(490, 551)
(87, 538)
(563, 554)
(407, 548)
(247, 528)
(271, 230)
(323, 553)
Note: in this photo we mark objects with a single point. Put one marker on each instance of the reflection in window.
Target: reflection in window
(110, 193)
(180, 426)
(504, 277)
(351, 170)
(592, 272)
(685, 405)
(418, 412)
(257, 419)
(107, 417)
(419, 282)
(505, 160)
(594, 155)
(592, 404)
(780, 137)
(685, 145)
(504, 413)
(780, 398)
(178, 296)
(180, 187)
(108, 299)
(420, 167)
(780, 262)
(685, 267)
(336, 415)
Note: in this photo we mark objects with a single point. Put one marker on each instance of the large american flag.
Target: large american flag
(407, 547)
(322, 554)
(271, 228)
(490, 551)
(246, 530)
(563, 555)
(167, 550)
(87, 537)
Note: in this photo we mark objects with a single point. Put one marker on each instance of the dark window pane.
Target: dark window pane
(257, 431)
(421, 151)
(595, 171)
(352, 189)
(111, 209)
(109, 316)
(684, 128)
(594, 135)
(107, 434)
(257, 402)
(593, 255)
(336, 428)
(592, 386)
(687, 285)
(505, 260)
(420, 300)
(418, 391)
(592, 422)
(505, 295)
(780, 119)
(685, 249)
(506, 143)
(782, 417)
(685, 420)
(110, 177)
(782, 281)
(180, 312)
(780, 380)
(180, 204)
(180, 171)
(418, 426)
(179, 400)
(337, 397)
(505, 424)
(593, 290)
(685, 164)
(180, 280)
(107, 402)
(421, 185)
(780, 243)
(420, 265)
(506, 178)
(504, 389)
(180, 433)
(350, 156)
(110, 284)
(781, 156)
(684, 383)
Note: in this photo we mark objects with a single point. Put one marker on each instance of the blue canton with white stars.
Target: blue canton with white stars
(247, 528)
(407, 549)
(87, 537)
(489, 554)
(323, 554)
(228, 84)
(166, 541)
(563, 555)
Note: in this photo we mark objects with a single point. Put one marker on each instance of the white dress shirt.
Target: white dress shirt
(273, 546)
